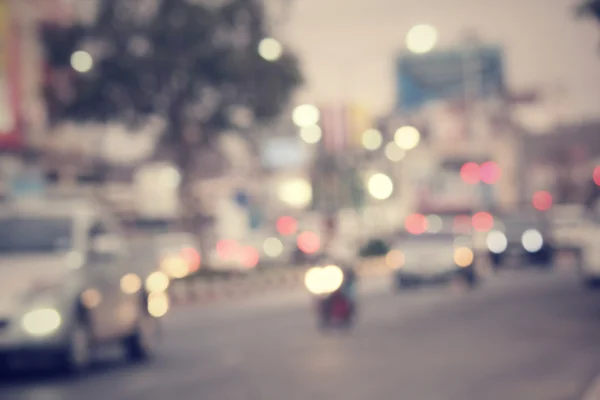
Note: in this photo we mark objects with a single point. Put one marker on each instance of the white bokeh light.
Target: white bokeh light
(421, 39)
(82, 61)
(407, 137)
(532, 240)
(372, 139)
(270, 49)
(393, 152)
(306, 115)
(273, 247)
(295, 192)
(380, 186)
(311, 134)
(496, 242)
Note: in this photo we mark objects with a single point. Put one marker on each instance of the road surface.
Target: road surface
(523, 335)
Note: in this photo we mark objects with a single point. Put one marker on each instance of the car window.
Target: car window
(24, 234)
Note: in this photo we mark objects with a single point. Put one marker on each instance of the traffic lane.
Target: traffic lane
(522, 335)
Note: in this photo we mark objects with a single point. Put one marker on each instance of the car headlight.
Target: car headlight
(324, 280)
(532, 240)
(496, 242)
(41, 322)
(463, 257)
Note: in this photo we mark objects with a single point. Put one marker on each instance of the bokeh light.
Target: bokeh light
(82, 61)
(296, 192)
(596, 175)
(542, 200)
(393, 152)
(372, 139)
(489, 172)
(380, 186)
(421, 39)
(130, 283)
(407, 137)
(416, 224)
(286, 225)
(227, 249)
(306, 115)
(311, 134)
(250, 257)
(395, 259)
(483, 221)
(270, 49)
(470, 173)
(192, 256)
(273, 247)
(309, 242)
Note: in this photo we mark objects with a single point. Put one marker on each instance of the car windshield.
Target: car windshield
(35, 234)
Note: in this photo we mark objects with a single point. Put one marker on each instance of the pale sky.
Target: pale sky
(347, 47)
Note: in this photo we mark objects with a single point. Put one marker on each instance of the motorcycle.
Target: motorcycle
(333, 307)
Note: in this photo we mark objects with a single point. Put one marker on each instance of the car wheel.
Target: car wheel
(76, 357)
(141, 345)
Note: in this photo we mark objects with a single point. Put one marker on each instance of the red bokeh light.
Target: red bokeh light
(309, 242)
(286, 226)
(192, 256)
(597, 175)
(489, 172)
(416, 224)
(470, 174)
(250, 257)
(542, 200)
(483, 221)
(227, 249)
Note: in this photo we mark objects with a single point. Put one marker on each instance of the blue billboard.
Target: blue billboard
(448, 74)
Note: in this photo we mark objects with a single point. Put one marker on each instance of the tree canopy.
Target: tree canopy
(193, 62)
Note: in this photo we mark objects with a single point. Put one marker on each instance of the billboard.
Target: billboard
(10, 122)
(449, 74)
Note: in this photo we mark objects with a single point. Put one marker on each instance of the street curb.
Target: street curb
(593, 392)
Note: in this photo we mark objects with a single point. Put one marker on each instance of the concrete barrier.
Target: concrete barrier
(203, 290)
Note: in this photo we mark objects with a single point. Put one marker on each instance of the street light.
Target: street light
(306, 115)
(407, 137)
(270, 49)
(421, 39)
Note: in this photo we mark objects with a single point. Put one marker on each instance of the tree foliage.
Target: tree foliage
(189, 61)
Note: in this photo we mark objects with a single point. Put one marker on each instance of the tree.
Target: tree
(188, 61)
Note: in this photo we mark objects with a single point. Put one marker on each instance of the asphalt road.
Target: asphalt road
(523, 335)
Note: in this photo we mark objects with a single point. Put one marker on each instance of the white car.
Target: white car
(432, 258)
(68, 284)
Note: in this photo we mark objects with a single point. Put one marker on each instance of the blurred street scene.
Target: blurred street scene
(200, 185)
